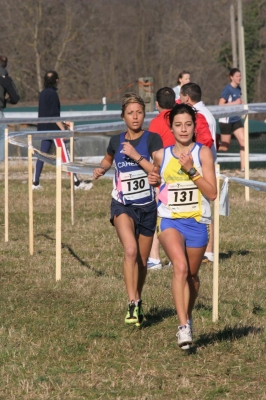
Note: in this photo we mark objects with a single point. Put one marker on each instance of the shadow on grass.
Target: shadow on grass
(227, 334)
(155, 316)
(71, 251)
(224, 256)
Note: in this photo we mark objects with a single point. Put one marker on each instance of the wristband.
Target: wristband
(196, 177)
(139, 160)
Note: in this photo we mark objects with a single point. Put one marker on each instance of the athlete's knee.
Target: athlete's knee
(180, 269)
(130, 252)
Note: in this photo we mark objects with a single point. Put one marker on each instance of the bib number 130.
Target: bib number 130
(135, 185)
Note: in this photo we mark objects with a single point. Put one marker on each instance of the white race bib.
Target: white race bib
(135, 185)
(183, 197)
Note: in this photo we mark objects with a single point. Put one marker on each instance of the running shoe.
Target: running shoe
(184, 336)
(132, 316)
(140, 314)
(188, 346)
(84, 186)
(36, 187)
(154, 266)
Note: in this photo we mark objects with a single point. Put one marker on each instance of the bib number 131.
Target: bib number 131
(183, 196)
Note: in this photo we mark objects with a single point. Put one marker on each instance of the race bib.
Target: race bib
(183, 197)
(135, 185)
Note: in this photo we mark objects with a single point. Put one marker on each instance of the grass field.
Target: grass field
(67, 339)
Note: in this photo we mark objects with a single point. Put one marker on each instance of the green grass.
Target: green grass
(67, 339)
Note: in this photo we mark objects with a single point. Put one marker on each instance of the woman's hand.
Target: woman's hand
(154, 178)
(98, 172)
(186, 161)
(130, 151)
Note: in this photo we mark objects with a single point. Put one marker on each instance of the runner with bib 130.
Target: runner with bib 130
(187, 184)
(133, 207)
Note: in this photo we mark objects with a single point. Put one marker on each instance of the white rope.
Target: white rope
(224, 195)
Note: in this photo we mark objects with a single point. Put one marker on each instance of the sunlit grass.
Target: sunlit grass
(67, 339)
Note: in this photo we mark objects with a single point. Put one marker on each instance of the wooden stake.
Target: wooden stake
(30, 194)
(6, 185)
(233, 35)
(58, 212)
(216, 249)
(246, 142)
(72, 188)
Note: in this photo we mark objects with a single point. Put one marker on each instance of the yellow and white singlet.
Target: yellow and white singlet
(179, 197)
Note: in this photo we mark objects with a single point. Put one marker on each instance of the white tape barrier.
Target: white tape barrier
(32, 117)
(224, 198)
(233, 157)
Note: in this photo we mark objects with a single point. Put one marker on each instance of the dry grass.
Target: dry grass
(67, 340)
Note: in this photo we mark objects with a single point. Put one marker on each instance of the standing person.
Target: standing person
(165, 101)
(49, 106)
(205, 132)
(231, 94)
(133, 207)
(187, 184)
(182, 79)
(8, 94)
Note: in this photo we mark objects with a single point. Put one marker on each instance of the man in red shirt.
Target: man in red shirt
(159, 124)
(165, 101)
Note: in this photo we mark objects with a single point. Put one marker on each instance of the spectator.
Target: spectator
(182, 79)
(8, 94)
(231, 94)
(49, 106)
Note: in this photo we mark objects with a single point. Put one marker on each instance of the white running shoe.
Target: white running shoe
(184, 336)
(84, 186)
(153, 266)
(190, 323)
(37, 187)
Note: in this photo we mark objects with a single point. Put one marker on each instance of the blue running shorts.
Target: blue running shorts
(195, 234)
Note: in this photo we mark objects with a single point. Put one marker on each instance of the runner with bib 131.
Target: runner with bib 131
(187, 184)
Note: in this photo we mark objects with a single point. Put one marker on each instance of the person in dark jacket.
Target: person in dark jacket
(49, 106)
(8, 94)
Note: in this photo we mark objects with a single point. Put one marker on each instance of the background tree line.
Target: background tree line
(100, 47)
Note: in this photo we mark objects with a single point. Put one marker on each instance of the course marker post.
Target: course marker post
(216, 249)
(58, 212)
(6, 185)
(30, 194)
(72, 188)
(246, 142)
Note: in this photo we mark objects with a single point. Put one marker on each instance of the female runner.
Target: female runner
(188, 183)
(133, 207)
